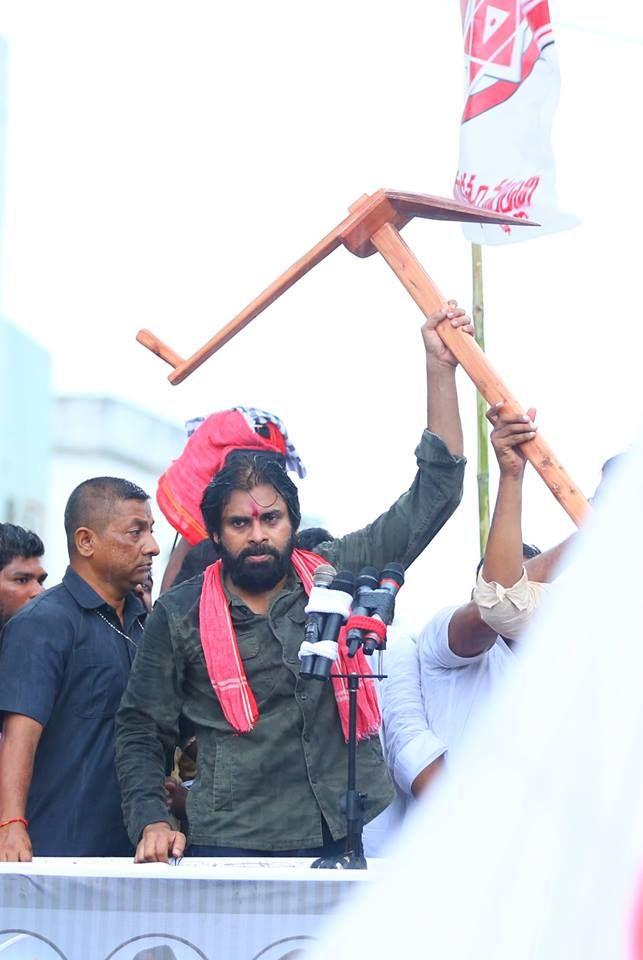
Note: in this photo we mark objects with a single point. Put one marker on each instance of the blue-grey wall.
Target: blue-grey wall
(25, 428)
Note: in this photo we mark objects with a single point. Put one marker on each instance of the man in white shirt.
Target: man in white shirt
(436, 685)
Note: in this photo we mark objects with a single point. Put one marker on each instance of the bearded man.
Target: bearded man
(221, 649)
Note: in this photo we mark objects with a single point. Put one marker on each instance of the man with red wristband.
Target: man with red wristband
(64, 663)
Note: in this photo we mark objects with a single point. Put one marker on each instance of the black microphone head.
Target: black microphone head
(394, 572)
(343, 581)
(324, 575)
(368, 577)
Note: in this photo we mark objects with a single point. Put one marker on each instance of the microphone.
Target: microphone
(322, 579)
(345, 583)
(391, 579)
(366, 584)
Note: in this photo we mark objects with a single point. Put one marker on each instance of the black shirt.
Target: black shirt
(65, 667)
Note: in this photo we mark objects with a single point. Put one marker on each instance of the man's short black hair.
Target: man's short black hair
(17, 542)
(90, 504)
(243, 470)
(529, 551)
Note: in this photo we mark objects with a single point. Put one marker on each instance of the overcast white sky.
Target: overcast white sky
(166, 161)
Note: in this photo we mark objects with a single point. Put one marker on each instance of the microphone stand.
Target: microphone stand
(354, 803)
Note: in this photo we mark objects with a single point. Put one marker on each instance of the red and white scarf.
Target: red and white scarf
(225, 669)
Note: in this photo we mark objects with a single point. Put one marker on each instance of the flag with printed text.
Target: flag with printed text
(512, 84)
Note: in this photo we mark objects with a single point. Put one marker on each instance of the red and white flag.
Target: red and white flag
(512, 86)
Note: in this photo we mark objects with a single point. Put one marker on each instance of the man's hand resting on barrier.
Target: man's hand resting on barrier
(15, 845)
(158, 843)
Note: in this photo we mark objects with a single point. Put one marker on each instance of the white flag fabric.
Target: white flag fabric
(512, 86)
(532, 847)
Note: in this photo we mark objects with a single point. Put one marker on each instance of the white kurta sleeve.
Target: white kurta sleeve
(410, 744)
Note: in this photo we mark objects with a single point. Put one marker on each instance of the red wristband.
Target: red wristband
(5, 823)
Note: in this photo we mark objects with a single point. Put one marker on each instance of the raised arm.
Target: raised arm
(505, 596)
(503, 559)
(546, 566)
(20, 737)
(443, 415)
(409, 525)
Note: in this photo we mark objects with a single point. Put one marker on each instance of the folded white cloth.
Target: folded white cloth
(508, 610)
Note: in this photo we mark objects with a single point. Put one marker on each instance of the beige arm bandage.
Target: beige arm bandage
(508, 610)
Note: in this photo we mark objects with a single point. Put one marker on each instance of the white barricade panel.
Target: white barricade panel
(209, 909)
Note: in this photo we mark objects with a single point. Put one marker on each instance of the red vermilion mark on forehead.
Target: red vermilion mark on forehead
(255, 507)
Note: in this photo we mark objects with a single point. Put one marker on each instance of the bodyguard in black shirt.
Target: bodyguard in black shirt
(64, 664)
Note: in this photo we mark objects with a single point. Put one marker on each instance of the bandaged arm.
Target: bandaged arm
(508, 610)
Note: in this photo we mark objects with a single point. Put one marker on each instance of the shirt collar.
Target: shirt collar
(86, 597)
(238, 604)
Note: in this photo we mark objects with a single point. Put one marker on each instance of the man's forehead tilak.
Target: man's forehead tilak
(254, 504)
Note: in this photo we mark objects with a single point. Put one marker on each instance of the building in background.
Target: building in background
(49, 445)
(103, 436)
(25, 428)
(3, 130)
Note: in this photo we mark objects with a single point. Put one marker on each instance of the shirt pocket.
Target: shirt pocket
(99, 688)
(261, 661)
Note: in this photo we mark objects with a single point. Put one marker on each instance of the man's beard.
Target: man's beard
(257, 577)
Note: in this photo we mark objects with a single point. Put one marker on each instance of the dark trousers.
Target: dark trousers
(329, 848)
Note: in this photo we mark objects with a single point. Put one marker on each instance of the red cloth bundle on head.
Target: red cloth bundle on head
(181, 488)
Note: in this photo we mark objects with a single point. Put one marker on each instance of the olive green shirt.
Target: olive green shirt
(267, 789)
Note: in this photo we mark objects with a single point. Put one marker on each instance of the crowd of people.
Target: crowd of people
(186, 727)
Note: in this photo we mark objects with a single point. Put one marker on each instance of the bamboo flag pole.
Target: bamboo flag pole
(477, 311)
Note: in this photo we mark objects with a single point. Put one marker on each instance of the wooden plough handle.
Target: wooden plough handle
(416, 280)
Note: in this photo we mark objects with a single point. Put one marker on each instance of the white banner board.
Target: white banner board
(212, 909)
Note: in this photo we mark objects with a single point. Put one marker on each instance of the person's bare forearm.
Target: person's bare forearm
(443, 415)
(426, 777)
(545, 567)
(469, 635)
(17, 752)
(503, 554)
(20, 737)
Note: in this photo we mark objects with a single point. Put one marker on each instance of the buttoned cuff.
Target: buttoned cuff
(411, 760)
